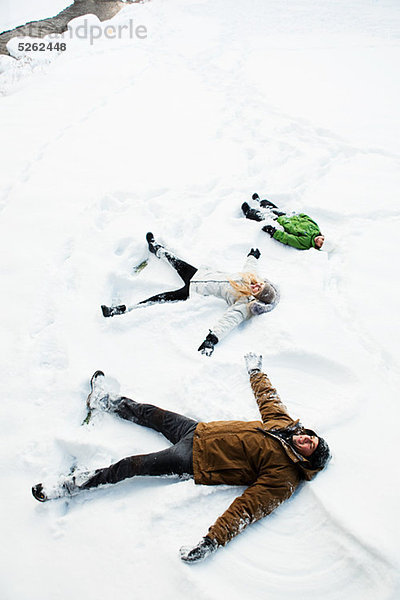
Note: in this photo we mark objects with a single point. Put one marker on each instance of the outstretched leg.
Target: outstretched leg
(267, 209)
(173, 296)
(273, 210)
(184, 270)
(172, 425)
(177, 460)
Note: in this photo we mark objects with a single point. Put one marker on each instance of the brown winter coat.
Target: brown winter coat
(248, 453)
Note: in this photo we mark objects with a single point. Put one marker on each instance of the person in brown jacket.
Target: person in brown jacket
(271, 456)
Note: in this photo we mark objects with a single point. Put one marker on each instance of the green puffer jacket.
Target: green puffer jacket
(251, 454)
(300, 231)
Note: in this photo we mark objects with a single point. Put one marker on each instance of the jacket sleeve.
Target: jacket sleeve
(269, 402)
(232, 317)
(301, 242)
(250, 265)
(257, 501)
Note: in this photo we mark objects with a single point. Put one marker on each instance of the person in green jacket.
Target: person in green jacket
(300, 231)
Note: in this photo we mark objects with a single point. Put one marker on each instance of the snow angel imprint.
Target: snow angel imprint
(246, 293)
(298, 230)
(271, 456)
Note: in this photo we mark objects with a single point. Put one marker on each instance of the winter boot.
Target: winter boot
(66, 486)
(267, 204)
(264, 203)
(110, 311)
(154, 247)
(99, 397)
(252, 213)
(38, 493)
(102, 396)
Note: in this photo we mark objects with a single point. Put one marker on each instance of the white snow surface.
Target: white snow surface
(18, 12)
(103, 142)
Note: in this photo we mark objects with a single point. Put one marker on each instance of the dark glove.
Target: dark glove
(202, 550)
(110, 311)
(207, 347)
(255, 252)
(269, 229)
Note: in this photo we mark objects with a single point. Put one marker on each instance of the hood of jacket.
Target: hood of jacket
(313, 240)
(308, 472)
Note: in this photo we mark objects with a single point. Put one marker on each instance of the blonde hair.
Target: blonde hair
(242, 287)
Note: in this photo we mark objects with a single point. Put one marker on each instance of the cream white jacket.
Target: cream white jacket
(208, 282)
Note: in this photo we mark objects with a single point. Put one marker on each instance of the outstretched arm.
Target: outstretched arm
(257, 501)
(230, 319)
(267, 398)
(251, 264)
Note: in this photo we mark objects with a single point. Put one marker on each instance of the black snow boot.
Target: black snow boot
(110, 311)
(264, 203)
(267, 204)
(101, 396)
(153, 246)
(66, 486)
(38, 492)
(252, 213)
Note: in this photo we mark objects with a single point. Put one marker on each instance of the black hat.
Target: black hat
(321, 454)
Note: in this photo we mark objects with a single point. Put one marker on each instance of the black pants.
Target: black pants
(185, 272)
(255, 214)
(176, 460)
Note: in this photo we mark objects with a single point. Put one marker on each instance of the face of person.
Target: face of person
(256, 288)
(318, 241)
(305, 444)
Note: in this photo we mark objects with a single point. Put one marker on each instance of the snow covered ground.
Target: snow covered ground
(18, 12)
(297, 100)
